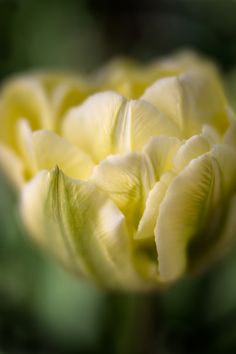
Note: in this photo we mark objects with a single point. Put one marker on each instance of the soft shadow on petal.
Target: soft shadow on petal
(161, 151)
(230, 135)
(44, 149)
(149, 218)
(82, 226)
(195, 146)
(181, 215)
(127, 179)
(226, 157)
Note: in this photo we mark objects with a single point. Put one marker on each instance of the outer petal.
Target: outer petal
(190, 100)
(182, 215)
(81, 226)
(12, 166)
(226, 158)
(23, 98)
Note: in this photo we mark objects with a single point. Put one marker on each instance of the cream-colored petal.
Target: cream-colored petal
(77, 222)
(120, 75)
(166, 95)
(182, 215)
(25, 147)
(190, 100)
(195, 146)
(137, 123)
(11, 166)
(211, 135)
(50, 150)
(225, 156)
(161, 151)
(67, 95)
(23, 98)
(149, 218)
(90, 125)
(127, 180)
(44, 149)
(107, 123)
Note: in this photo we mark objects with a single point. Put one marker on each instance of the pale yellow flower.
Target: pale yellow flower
(132, 193)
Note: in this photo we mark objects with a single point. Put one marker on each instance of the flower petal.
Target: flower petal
(161, 151)
(23, 98)
(211, 134)
(127, 180)
(182, 214)
(90, 125)
(50, 150)
(120, 125)
(77, 222)
(149, 218)
(44, 149)
(195, 146)
(12, 166)
(226, 157)
(230, 135)
(67, 95)
(137, 123)
(190, 100)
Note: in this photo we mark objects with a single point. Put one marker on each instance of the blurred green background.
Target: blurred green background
(42, 308)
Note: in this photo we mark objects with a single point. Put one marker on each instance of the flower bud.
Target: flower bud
(134, 186)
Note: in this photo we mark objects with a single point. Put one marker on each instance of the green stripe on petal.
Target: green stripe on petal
(82, 226)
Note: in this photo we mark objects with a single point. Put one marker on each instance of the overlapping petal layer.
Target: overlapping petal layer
(127, 177)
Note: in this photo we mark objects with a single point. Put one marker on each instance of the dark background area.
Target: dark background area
(42, 308)
(81, 35)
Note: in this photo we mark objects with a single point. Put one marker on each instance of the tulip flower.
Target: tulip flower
(127, 177)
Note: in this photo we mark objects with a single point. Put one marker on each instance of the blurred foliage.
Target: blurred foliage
(42, 308)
